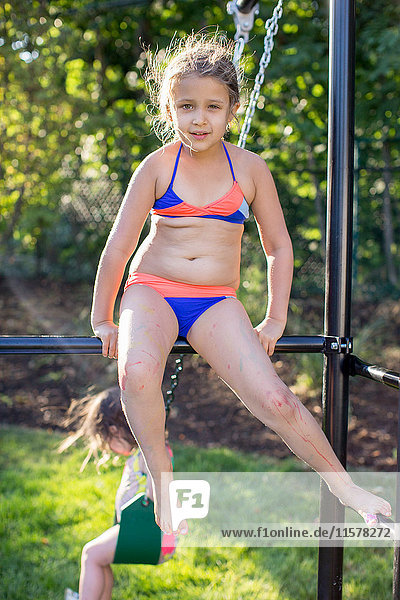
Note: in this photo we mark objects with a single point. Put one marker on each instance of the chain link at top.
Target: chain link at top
(271, 27)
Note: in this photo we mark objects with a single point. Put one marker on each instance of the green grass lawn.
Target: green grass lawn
(49, 511)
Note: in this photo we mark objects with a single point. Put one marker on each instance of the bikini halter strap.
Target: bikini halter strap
(176, 165)
(229, 160)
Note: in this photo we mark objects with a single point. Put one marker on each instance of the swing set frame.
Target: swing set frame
(336, 342)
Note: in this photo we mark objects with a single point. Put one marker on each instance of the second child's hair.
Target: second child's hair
(95, 418)
(196, 54)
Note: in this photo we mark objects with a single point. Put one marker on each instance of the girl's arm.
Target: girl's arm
(121, 243)
(277, 247)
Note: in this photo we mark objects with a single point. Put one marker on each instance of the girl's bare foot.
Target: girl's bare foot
(162, 506)
(365, 503)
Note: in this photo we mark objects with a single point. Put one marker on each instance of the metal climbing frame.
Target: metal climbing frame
(337, 369)
(335, 344)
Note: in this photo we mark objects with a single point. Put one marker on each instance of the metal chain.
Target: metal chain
(174, 382)
(271, 27)
(239, 47)
(244, 24)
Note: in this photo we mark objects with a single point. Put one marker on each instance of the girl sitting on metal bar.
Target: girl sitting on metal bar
(183, 278)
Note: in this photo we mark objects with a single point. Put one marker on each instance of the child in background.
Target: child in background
(99, 420)
(184, 276)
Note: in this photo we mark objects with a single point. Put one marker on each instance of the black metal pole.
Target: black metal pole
(396, 553)
(338, 265)
(46, 344)
(359, 367)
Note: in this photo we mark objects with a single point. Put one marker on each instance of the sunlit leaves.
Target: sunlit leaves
(74, 108)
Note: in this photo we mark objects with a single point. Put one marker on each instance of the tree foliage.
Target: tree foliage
(75, 113)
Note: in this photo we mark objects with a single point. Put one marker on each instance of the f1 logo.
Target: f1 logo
(189, 498)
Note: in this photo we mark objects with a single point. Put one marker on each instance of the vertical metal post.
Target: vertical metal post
(338, 264)
(356, 205)
(396, 553)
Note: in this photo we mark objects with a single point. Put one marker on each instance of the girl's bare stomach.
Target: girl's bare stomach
(190, 250)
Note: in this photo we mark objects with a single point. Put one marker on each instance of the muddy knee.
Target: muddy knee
(280, 406)
(139, 371)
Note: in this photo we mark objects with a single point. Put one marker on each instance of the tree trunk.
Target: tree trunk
(8, 233)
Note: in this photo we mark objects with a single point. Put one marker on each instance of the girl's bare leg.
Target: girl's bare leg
(96, 580)
(148, 329)
(225, 337)
(108, 583)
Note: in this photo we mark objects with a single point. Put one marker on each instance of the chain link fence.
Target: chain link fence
(71, 247)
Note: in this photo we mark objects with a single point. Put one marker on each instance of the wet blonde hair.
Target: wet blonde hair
(203, 55)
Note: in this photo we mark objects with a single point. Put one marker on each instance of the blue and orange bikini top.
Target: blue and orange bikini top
(231, 207)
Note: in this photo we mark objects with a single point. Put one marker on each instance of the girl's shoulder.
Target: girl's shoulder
(160, 161)
(249, 160)
(162, 155)
(135, 462)
(249, 170)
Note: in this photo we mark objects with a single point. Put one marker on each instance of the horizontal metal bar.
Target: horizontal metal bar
(359, 367)
(46, 344)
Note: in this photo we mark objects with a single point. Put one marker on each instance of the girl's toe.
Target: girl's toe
(369, 518)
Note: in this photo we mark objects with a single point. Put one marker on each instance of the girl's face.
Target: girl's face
(200, 111)
(118, 443)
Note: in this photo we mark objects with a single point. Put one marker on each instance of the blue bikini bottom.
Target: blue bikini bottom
(188, 301)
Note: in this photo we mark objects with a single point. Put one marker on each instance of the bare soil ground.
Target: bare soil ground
(36, 390)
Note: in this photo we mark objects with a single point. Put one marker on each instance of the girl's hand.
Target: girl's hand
(269, 331)
(108, 333)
